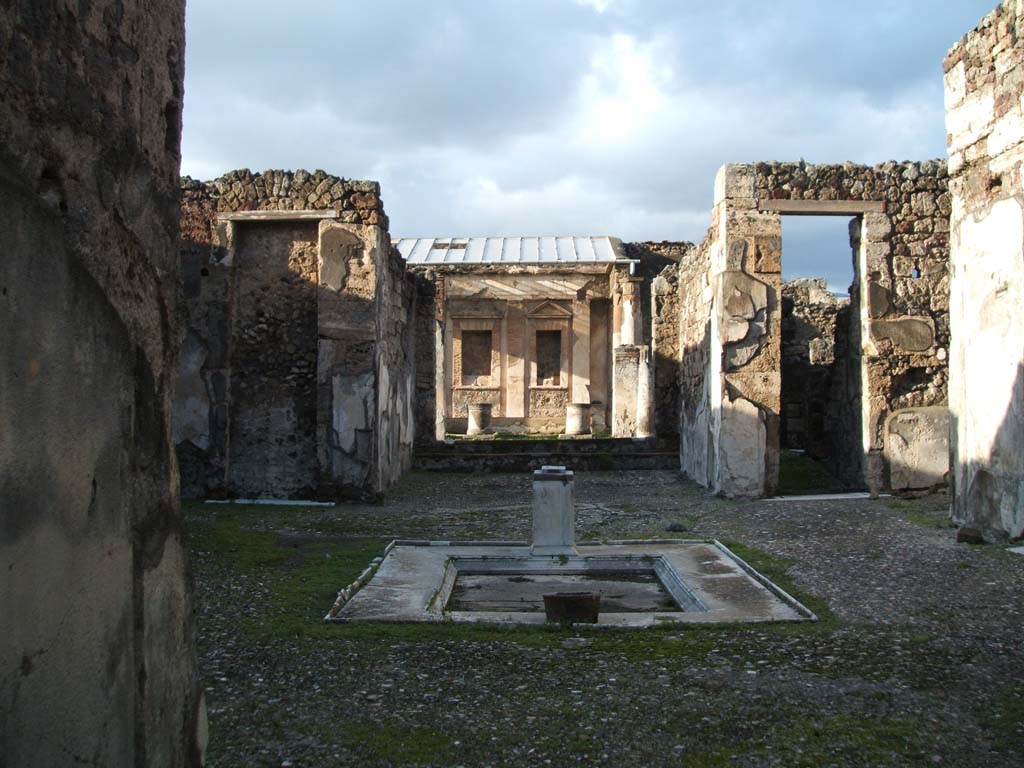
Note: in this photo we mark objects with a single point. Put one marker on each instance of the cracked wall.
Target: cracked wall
(898, 341)
(96, 652)
(984, 83)
(297, 370)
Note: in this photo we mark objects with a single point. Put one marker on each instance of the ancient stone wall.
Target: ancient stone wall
(96, 649)
(296, 375)
(427, 371)
(984, 84)
(696, 457)
(812, 414)
(396, 368)
(898, 345)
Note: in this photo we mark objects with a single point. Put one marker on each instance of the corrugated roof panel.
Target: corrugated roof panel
(603, 249)
(507, 250)
(565, 249)
(474, 253)
(529, 250)
(584, 248)
(492, 249)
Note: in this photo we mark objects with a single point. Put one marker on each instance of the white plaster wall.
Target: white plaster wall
(987, 359)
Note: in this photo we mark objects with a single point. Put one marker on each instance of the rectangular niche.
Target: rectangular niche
(476, 358)
(549, 359)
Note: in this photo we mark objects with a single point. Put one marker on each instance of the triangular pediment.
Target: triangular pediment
(550, 309)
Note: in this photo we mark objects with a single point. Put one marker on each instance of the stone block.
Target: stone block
(741, 450)
(554, 515)
(917, 447)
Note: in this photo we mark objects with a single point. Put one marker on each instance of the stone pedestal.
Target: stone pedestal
(554, 516)
(577, 419)
(479, 418)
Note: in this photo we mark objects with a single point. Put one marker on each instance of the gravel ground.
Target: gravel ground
(918, 659)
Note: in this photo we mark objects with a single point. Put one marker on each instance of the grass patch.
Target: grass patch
(777, 569)
(1005, 718)
(809, 741)
(386, 744)
(799, 474)
(927, 511)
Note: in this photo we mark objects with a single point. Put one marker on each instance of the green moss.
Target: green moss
(388, 744)
(809, 741)
(1004, 719)
(800, 474)
(777, 569)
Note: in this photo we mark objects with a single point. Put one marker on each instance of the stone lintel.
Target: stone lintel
(308, 215)
(822, 207)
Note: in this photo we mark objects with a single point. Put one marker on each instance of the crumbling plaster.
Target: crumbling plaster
(96, 652)
(984, 86)
(900, 257)
(335, 355)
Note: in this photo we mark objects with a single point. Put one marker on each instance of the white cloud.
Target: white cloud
(598, 5)
(535, 117)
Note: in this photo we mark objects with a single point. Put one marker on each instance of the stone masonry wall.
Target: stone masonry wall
(898, 345)
(901, 291)
(811, 319)
(296, 367)
(694, 308)
(984, 81)
(96, 653)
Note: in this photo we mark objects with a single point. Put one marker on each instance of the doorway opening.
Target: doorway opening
(819, 426)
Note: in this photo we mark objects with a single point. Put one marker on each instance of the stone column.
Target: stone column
(440, 362)
(625, 380)
(580, 352)
(631, 330)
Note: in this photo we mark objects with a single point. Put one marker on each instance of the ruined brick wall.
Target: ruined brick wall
(694, 333)
(811, 319)
(295, 376)
(897, 347)
(96, 650)
(396, 369)
(900, 290)
(984, 81)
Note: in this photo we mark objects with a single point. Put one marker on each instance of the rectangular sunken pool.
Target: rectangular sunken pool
(620, 592)
(641, 583)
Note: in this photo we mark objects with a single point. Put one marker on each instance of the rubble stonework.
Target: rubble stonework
(984, 82)
(96, 649)
(898, 345)
(811, 319)
(297, 371)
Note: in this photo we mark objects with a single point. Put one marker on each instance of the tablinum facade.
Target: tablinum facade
(530, 326)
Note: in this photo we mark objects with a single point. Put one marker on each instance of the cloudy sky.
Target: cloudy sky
(512, 117)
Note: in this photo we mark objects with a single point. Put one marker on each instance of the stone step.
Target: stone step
(525, 455)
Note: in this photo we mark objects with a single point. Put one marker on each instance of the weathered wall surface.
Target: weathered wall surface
(96, 651)
(985, 125)
(273, 361)
(811, 316)
(898, 343)
(901, 283)
(296, 375)
(696, 459)
(396, 368)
